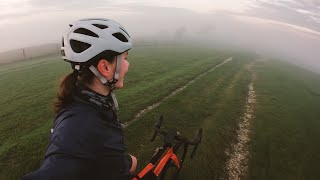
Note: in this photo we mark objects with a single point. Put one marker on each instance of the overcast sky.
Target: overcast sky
(289, 27)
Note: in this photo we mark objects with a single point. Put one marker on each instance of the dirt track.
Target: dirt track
(237, 165)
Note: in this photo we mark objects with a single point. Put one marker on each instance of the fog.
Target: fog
(288, 29)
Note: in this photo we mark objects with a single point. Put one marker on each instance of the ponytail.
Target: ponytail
(69, 83)
(66, 89)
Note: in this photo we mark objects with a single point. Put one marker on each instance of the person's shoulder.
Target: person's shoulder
(76, 118)
(77, 111)
(74, 131)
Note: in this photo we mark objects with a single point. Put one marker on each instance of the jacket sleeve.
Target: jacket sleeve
(61, 167)
(73, 153)
(68, 155)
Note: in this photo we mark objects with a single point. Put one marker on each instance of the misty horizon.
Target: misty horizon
(285, 28)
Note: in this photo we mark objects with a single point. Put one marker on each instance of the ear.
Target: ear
(106, 69)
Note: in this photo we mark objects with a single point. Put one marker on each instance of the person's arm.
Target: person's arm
(68, 154)
(62, 167)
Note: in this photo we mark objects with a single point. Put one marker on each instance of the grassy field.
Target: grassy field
(285, 126)
(215, 103)
(286, 138)
(27, 93)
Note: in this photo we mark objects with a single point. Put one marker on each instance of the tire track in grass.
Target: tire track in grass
(151, 107)
(211, 85)
(220, 128)
(237, 165)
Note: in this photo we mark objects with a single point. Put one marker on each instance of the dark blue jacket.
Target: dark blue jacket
(86, 143)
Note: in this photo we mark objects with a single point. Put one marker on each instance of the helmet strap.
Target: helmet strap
(118, 66)
(110, 84)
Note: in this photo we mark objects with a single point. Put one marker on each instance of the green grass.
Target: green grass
(284, 131)
(155, 72)
(286, 125)
(29, 88)
(23, 64)
(215, 102)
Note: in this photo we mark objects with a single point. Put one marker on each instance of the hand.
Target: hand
(134, 164)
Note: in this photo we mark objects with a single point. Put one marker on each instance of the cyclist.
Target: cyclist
(86, 141)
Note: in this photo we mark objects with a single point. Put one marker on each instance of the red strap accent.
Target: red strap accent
(163, 162)
(175, 160)
(144, 171)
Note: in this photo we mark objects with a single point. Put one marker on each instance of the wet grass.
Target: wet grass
(286, 125)
(214, 102)
(28, 88)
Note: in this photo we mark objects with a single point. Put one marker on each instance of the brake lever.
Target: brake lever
(198, 140)
(156, 128)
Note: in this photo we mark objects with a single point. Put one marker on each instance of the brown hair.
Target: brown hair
(68, 84)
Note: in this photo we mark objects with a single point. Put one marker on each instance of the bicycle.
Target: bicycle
(165, 156)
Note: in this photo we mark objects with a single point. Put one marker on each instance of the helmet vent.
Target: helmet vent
(120, 36)
(124, 31)
(63, 53)
(85, 32)
(101, 26)
(78, 46)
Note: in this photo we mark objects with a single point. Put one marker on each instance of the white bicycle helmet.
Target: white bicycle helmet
(87, 38)
(97, 35)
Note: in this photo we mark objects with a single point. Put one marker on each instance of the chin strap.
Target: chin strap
(110, 84)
